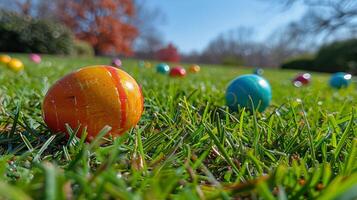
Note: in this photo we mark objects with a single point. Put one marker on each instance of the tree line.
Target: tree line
(109, 26)
(129, 28)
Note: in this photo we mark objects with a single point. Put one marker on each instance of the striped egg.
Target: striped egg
(93, 97)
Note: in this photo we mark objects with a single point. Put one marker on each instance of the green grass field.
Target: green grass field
(187, 144)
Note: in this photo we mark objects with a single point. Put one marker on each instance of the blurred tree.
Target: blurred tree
(328, 18)
(237, 47)
(192, 57)
(235, 43)
(24, 7)
(82, 48)
(149, 39)
(168, 54)
(325, 21)
(46, 9)
(43, 9)
(21, 33)
(104, 24)
(287, 42)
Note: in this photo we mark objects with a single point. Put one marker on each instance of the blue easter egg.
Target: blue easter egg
(163, 68)
(340, 80)
(248, 91)
(141, 63)
(258, 71)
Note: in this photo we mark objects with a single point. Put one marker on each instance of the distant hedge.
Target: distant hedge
(301, 62)
(232, 61)
(338, 56)
(334, 57)
(20, 33)
(82, 48)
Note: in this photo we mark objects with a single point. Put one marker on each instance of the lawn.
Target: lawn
(187, 144)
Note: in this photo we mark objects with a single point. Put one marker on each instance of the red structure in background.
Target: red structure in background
(168, 54)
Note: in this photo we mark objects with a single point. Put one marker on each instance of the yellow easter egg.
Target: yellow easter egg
(15, 65)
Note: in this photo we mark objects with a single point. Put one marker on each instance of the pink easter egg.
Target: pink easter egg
(36, 58)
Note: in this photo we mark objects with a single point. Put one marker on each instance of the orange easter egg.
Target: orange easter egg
(194, 69)
(15, 65)
(4, 59)
(93, 97)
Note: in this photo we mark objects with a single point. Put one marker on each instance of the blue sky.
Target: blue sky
(191, 24)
